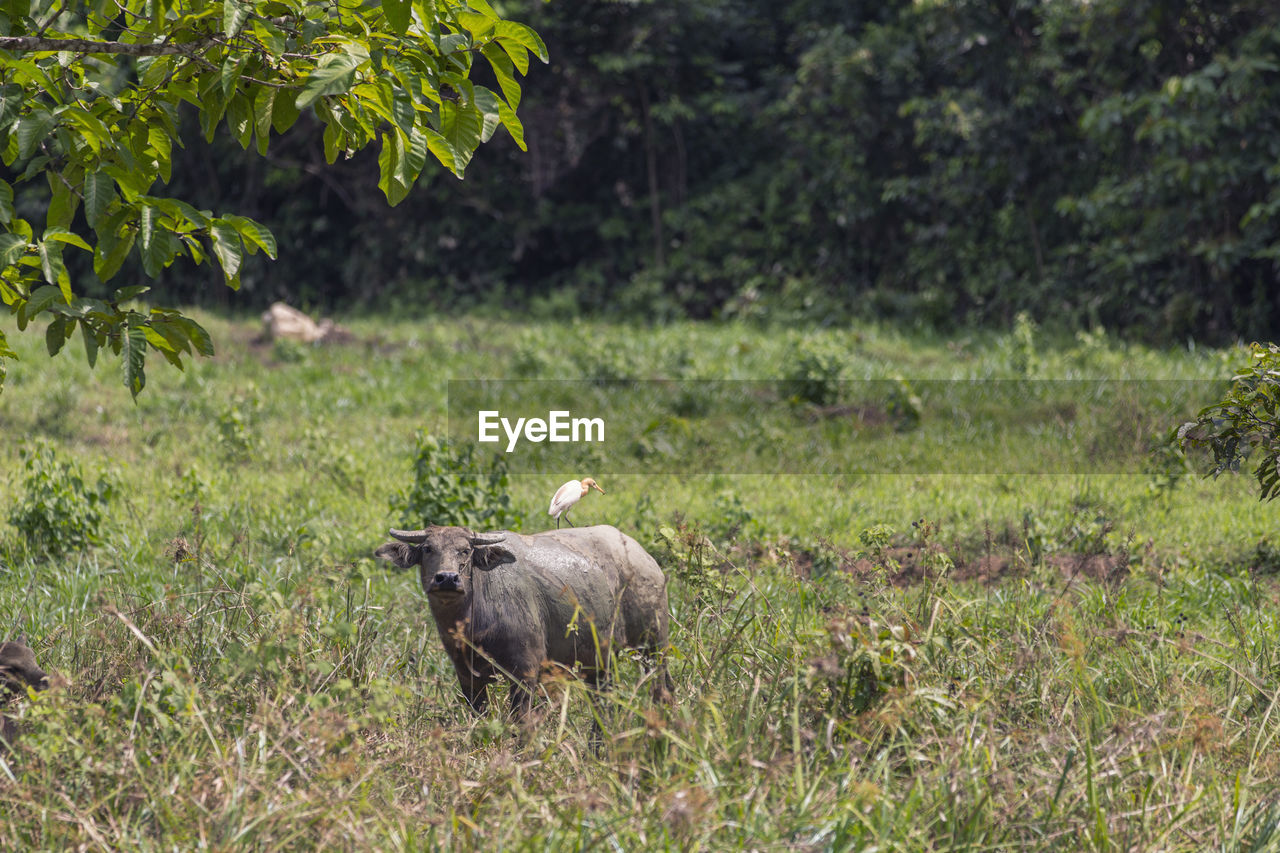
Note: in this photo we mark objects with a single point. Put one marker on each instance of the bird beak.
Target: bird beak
(597, 488)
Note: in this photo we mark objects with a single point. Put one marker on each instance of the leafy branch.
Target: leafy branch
(1244, 421)
(396, 73)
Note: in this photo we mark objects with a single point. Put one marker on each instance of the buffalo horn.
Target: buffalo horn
(413, 537)
(484, 542)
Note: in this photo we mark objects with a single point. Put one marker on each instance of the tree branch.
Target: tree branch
(36, 44)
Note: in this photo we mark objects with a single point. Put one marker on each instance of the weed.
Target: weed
(814, 375)
(235, 426)
(58, 512)
(454, 487)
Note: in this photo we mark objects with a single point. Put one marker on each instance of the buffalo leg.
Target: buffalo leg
(521, 699)
(476, 690)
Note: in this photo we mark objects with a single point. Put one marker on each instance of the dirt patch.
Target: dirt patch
(1104, 568)
(913, 564)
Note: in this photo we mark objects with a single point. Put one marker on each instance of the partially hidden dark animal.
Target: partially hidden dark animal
(18, 671)
(505, 604)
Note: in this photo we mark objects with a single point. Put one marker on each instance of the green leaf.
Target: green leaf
(90, 342)
(256, 235)
(157, 340)
(6, 202)
(99, 192)
(226, 248)
(196, 333)
(234, 14)
(55, 336)
(12, 99)
(488, 104)
(284, 112)
(146, 226)
(62, 203)
(173, 333)
(442, 150)
(132, 291)
(33, 129)
(263, 108)
(332, 139)
(160, 147)
(415, 155)
(504, 74)
(398, 14)
(460, 125)
(240, 119)
(41, 298)
(111, 251)
(229, 76)
(160, 253)
(135, 355)
(12, 247)
(332, 75)
(522, 35)
(402, 108)
(483, 8)
(5, 352)
(512, 123)
(62, 235)
(55, 271)
(389, 160)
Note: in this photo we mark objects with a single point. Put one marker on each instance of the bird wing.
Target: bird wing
(565, 497)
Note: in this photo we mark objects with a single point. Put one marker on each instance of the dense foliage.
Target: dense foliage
(94, 96)
(1245, 421)
(451, 486)
(1091, 163)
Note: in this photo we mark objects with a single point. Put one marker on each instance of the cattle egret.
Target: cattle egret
(568, 495)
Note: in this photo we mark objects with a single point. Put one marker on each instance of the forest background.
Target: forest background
(943, 164)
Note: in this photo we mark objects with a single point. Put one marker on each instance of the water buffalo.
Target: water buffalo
(505, 603)
(18, 671)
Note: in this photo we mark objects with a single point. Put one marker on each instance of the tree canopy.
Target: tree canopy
(93, 97)
(936, 163)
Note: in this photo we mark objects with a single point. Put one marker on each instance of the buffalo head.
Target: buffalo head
(18, 669)
(444, 557)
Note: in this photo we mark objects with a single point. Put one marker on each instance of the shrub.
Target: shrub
(1244, 422)
(814, 376)
(58, 512)
(452, 487)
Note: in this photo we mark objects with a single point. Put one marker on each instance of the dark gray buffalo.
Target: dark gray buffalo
(505, 604)
(18, 671)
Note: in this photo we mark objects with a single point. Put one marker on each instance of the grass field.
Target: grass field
(924, 660)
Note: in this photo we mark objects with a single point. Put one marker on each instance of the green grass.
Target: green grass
(241, 674)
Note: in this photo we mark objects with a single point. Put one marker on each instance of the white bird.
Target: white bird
(568, 495)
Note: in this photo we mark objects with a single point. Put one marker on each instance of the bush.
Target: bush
(814, 376)
(1244, 422)
(58, 512)
(453, 487)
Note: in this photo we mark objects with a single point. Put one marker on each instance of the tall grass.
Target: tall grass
(240, 674)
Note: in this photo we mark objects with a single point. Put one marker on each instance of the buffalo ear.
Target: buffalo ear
(491, 555)
(401, 554)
